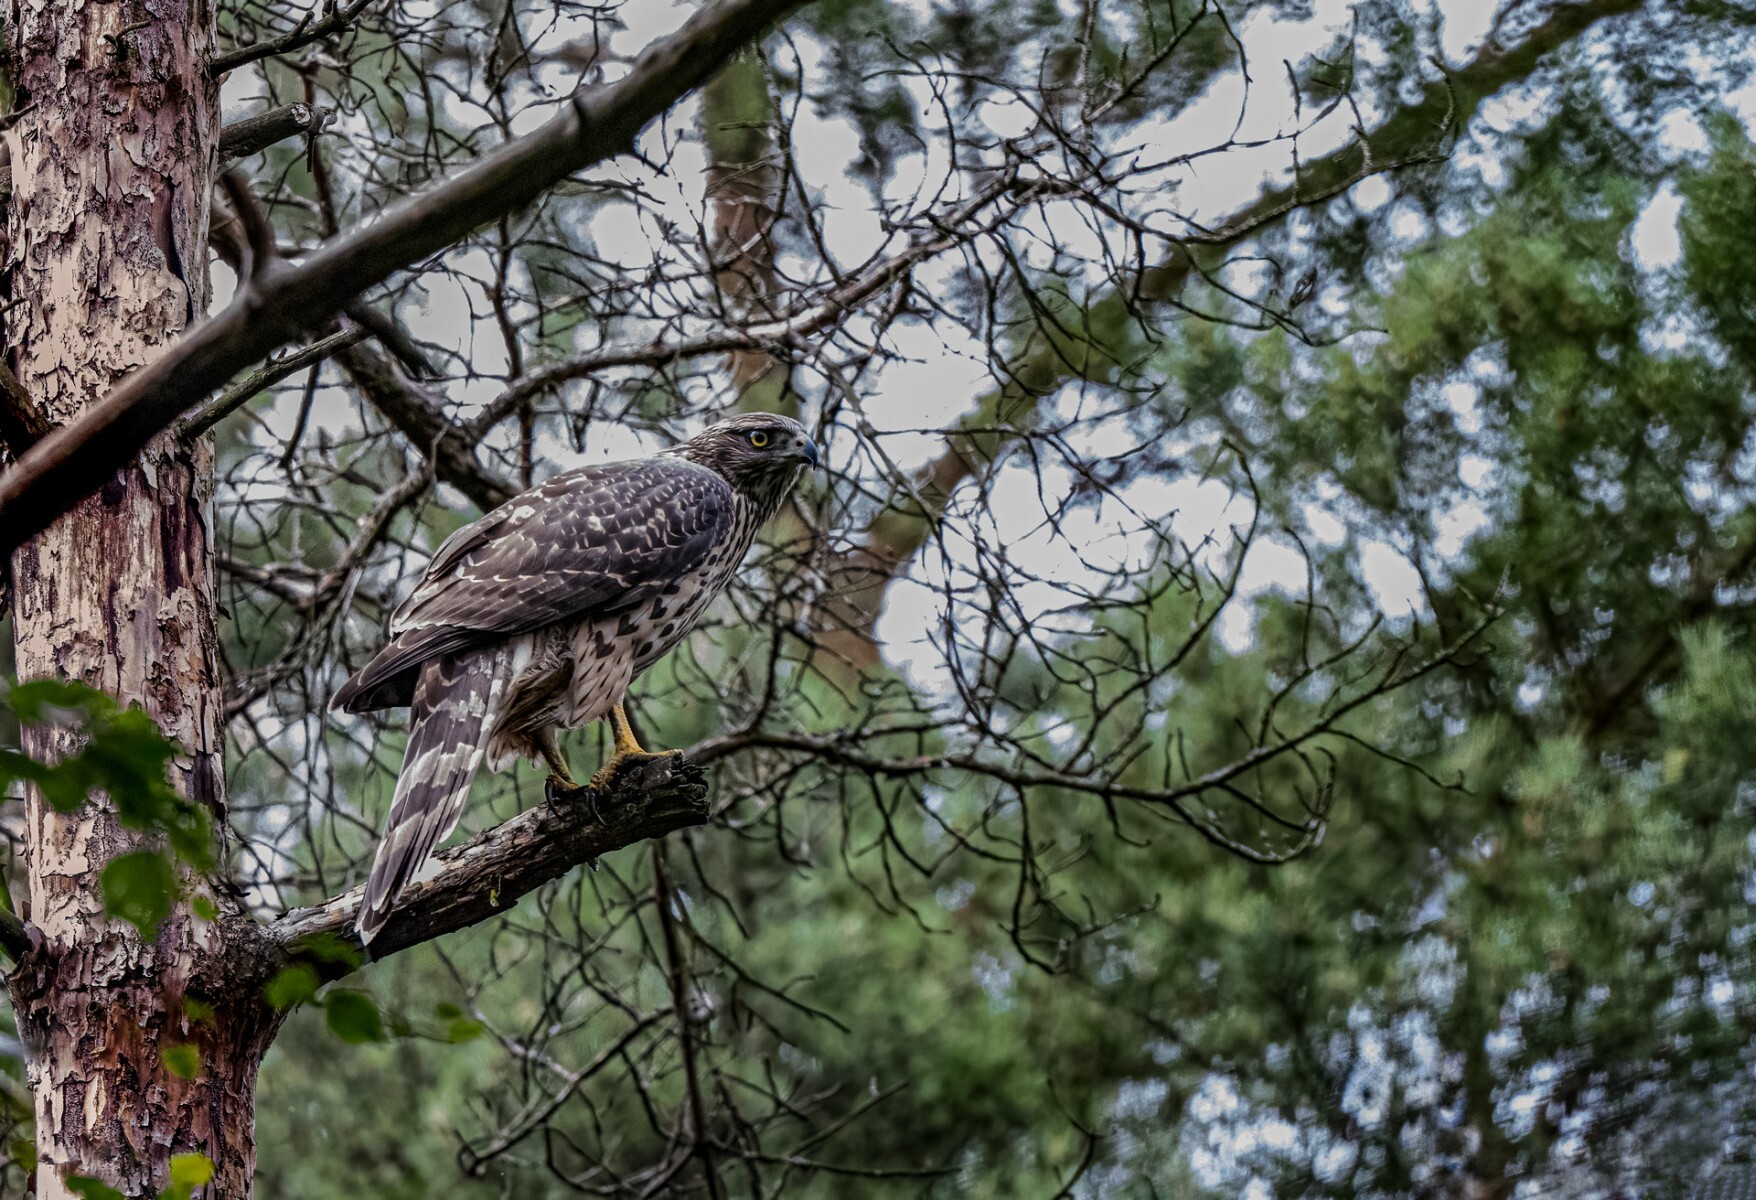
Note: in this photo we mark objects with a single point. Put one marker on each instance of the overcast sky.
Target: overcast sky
(940, 373)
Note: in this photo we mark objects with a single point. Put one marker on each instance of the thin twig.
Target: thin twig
(272, 373)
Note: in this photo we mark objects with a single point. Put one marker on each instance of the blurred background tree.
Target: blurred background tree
(1258, 707)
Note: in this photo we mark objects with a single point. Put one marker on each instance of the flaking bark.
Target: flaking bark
(105, 265)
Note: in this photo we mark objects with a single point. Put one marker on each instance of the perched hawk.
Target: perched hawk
(537, 617)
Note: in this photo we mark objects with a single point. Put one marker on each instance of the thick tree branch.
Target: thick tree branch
(243, 138)
(647, 798)
(597, 125)
(384, 329)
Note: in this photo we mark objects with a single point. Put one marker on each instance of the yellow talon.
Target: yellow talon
(627, 747)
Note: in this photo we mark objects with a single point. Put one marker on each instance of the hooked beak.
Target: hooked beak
(807, 451)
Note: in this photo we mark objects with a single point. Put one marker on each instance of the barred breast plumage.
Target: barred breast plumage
(578, 672)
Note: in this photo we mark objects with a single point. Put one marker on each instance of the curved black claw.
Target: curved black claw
(554, 787)
(591, 793)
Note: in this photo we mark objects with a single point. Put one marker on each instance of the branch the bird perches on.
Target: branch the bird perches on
(645, 798)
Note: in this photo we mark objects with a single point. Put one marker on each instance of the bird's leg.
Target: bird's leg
(560, 777)
(626, 743)
(627, 747)
(561, 780)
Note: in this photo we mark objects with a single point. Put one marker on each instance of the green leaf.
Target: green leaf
(353, 1017)
(123, 753)
(205, 908)
(67, 784)
(15, 765)
(183, 1061)
(197, 1010)
(92, 1189)
(138, 888)
(464, 1029)
(291, 986)
(53, 701)
(326, 947)
(190, 1171)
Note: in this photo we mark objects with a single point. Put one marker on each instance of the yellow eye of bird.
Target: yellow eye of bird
(758, 439)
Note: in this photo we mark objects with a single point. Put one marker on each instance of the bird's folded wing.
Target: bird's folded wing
(600, 539)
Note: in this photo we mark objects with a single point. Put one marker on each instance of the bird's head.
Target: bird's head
(760, 454)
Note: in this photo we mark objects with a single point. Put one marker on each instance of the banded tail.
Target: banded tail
(456, 701)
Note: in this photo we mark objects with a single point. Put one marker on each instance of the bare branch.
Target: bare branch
(257, 240)
(807, 321)
(1407, 135)
(70, 462)
(252, 135)
(417, 414)
(303, 34)
(647, 798)
(276, 370)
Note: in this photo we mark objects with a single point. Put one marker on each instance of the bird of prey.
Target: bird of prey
(538, 616)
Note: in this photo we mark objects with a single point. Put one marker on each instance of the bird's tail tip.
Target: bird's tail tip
(368, 925)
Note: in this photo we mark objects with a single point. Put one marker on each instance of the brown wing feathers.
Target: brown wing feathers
(598, 540)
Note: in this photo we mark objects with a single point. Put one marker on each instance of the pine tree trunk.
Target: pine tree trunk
(743, 186)
(106, 263)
